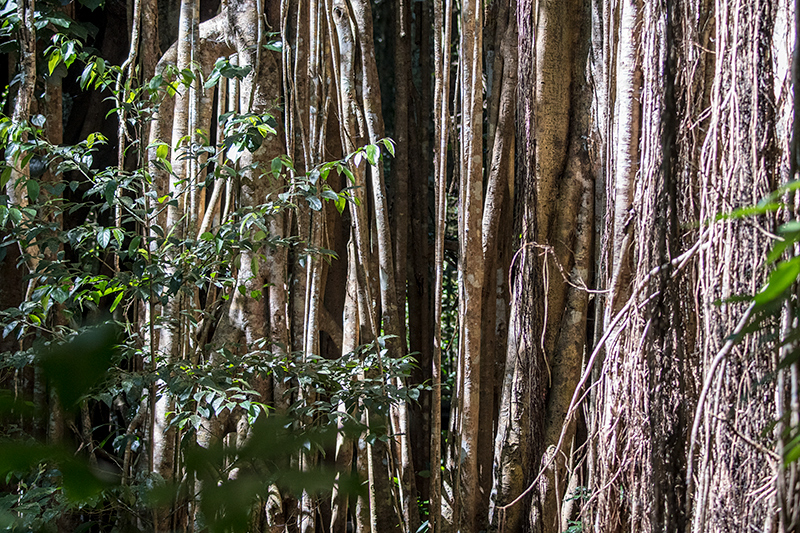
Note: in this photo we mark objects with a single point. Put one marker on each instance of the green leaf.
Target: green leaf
(104, 237)
(38, 120)
(276, 166)
(4, 177)
(373, 154)
(86, 76)
(789, 227)
(340, 203)
(33, 190)
(109, 190)
(212, 80)
(95, 138)
(162, 152)
(54, 61)
(15, 215)
(119, 235)
(779, 247)
(117, 300)
(780, 279)
(329, 194)
(346, 171)
(100, 65)
(265, 129)
(74, 367)
(314, 202)
(389, 144)
(791, 452)
(216, 404)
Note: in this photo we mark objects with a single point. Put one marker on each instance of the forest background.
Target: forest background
(341, 265)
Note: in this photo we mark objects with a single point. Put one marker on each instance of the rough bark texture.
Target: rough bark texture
(585, 148)
(705, 146)
(23, 101)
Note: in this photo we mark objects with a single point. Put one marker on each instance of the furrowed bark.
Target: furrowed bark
(24, 98)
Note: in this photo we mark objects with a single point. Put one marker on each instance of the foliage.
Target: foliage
(97, 254)
(575, 526)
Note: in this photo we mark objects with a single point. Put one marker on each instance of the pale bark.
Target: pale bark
(24, 98)
(344, 444)
(628, 79)
(371, 100)
(690, 118)
(381, 512)
(170, 345)
(497, 206)
(265, 315)
(554, 26)
(441, 114)
(512, 452)
(470, 263)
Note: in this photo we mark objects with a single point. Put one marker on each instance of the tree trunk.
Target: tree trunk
(470, 263)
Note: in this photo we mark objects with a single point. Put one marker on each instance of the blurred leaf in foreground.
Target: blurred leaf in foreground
(74, 367)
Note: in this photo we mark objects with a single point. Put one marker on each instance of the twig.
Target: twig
(761, 448)
(548, 250)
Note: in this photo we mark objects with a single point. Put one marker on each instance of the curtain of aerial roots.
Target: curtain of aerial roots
(709, 149)
(314, 97)
(171, 333)
(179, 119)
(737, 485)
(441, 114)
(331, 57)
(356, 91)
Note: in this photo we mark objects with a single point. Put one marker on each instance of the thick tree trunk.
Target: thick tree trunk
(549, 302)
